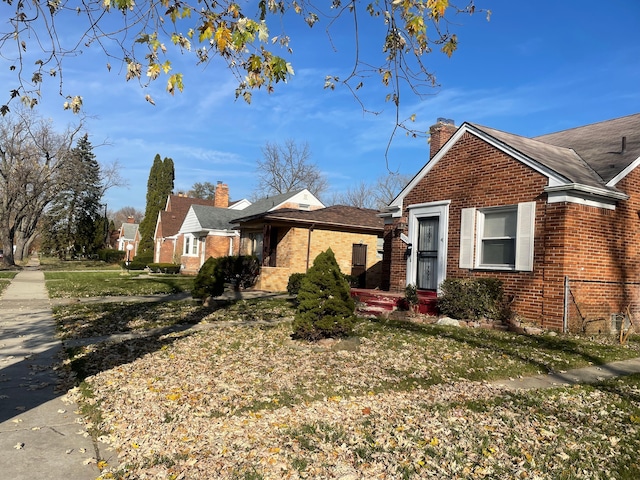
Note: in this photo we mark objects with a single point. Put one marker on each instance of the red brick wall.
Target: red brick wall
(213, 246)
(167, 252)
(596, 248)
(475, 174)
(603, 260)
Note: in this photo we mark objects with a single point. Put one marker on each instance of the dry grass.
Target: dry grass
(397, 401)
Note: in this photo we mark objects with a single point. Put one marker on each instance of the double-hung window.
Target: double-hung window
(190, 245)
(497, 232)
(498, 238)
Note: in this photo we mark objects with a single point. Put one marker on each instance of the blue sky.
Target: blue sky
(534, 68)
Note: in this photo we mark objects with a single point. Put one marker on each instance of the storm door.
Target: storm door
(359, 265)
(427, 254)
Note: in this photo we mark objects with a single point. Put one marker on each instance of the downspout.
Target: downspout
(565, 310)
(309, 245)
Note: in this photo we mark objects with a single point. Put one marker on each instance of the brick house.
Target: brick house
(128, 238)
(170, 220)
(212, 231)
(555, 217)
(206, 232)
(290, 239)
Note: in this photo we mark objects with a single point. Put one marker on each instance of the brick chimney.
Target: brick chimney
(130, 219)
(440, 133)
(221, 196)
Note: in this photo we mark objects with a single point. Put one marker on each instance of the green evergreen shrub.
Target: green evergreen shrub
(139, 262)
(164, 268)
(210, 280)
(237, 271)
(108, 255)
(473, 298)
(325, 307)
(240, 271)
(295, 280)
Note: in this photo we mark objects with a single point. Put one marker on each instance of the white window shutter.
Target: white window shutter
(524, 236)
(467, 228)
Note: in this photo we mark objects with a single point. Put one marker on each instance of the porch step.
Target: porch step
(376, 302)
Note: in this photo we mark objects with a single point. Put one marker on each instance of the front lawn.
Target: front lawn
(5, 279)
(398, 400)
(113, 283)
(54, 263)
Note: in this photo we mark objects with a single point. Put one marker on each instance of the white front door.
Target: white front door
(427, 256)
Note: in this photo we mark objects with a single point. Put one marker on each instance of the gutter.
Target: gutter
(585, 189)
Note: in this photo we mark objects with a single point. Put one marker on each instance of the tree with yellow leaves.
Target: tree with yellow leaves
(145, 37)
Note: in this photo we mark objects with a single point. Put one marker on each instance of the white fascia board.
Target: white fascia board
(553, 177)
(584, 195)
(304, 197)
(222, 233)
(587, 190)
(389, 213)
(399, 200)
(614, 181)
(240, 204)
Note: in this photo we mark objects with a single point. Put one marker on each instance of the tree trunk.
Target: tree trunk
(7, 246)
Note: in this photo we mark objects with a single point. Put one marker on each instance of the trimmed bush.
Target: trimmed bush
(237, 271)
(164, 268)
(473, 299)
(295, 280)
(325, 307)
(109, 255)
(210, 280)
(240, 271)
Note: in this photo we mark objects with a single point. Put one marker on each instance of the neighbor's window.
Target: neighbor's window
(190, 245)
(497, 231)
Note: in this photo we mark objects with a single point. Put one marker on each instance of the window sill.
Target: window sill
(500, 268)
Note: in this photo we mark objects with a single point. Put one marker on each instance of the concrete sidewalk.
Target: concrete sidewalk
(585, 375)
(41, 436)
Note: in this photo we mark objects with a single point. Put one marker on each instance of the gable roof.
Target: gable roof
(172, 219)
(128, 231)
(562, 161)
(209, 218)
(340, 216)
(272, 203)
(581, 159)
(601, 144)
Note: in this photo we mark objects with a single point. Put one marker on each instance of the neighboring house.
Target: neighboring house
(170, 220)
(210, 232)
(556, 218)
(206, 232)
(290, 240)
(129, 238)
(252, 238)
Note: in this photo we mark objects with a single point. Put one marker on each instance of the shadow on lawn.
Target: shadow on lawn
(509, 345)
(98, 320)
(109, 340)
(108, 355)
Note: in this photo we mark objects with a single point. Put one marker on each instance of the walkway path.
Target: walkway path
(40, 433)
(592, 374)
